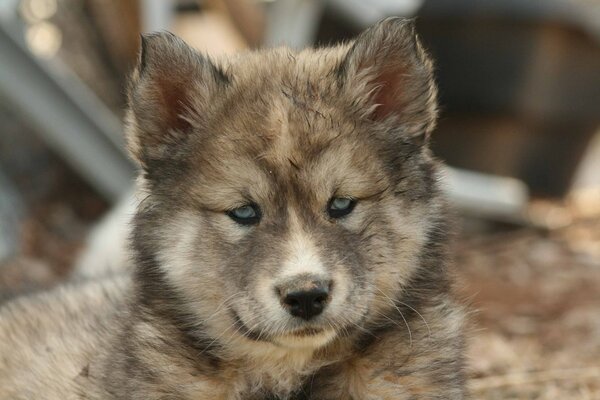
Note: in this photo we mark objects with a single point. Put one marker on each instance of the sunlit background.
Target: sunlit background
(519, 128)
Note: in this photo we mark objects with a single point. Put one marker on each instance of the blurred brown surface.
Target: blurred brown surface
(210, 32)
(118, 26)
(84, 50)
(246, 15)
(536, 312)
(60, 209)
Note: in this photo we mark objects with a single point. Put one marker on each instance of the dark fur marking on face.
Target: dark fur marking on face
(301, 104)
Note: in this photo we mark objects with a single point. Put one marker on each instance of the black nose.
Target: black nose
(306, 304)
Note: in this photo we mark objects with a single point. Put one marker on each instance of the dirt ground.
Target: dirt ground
(535, 296)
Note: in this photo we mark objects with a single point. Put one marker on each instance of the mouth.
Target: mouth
(301, 337)
(307, 338)
(306, 332)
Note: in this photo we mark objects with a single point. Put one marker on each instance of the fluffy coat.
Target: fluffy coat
(284, 132)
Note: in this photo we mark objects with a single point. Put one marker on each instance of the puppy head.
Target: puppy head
(289, 193)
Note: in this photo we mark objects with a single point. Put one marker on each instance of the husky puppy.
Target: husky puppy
(291, 242)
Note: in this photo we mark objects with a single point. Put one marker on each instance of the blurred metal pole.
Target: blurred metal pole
(65, 113)
(157, 15)
(484, 195)
(10, 211)
(293, 23)
(365, 13)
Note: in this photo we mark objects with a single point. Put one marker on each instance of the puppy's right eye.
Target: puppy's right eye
(245, 215)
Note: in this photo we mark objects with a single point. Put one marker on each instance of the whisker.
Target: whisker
(420, 316)
(398, 325)
(233, 324)
(219, 308)
(399, 312)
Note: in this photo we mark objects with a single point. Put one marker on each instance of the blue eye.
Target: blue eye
(340, 206)
(245, 215)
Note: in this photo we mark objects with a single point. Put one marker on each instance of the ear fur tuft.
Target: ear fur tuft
(388, 70)
(170, 87)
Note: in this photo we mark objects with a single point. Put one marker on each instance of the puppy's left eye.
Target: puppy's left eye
(340, 206)
(245, 215)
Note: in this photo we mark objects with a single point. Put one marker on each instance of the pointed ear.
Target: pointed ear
(169, 91)
(390, 77)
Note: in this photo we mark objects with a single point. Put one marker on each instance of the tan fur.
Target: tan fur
(204, 315)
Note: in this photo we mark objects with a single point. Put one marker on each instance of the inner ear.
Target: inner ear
(388, 77)
(172, 93)
(176, 103)
(388, 96)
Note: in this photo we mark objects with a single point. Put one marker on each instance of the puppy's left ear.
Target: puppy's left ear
(389, 76)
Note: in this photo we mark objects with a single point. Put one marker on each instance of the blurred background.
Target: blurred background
(519, 128)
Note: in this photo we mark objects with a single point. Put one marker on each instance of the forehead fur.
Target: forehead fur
(283, 117)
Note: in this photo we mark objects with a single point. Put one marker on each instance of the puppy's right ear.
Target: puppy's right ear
(169, 92)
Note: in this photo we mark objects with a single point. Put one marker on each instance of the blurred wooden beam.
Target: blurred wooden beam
(246, 15)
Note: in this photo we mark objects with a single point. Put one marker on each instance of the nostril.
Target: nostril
(291, 301)
(320, 300)
(306, 304)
